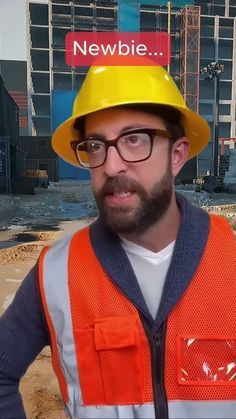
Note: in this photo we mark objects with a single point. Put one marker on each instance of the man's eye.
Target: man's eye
(94, 147)
(136, 139)
(133, 139)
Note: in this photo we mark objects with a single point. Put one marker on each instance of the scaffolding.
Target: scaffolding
(155, 18)
(48, 26)
(65, 16)
(190, 56)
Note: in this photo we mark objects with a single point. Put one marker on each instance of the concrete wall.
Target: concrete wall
(14, 75)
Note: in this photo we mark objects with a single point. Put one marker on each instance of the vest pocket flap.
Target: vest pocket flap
(114, 332)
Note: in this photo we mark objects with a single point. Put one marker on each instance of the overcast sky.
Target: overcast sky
(13, 30)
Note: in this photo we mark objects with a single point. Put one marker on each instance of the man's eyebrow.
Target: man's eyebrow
(131, 127)
(124, 129)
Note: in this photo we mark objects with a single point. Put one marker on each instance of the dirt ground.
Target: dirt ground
(39, 387)
(29, 223)
(40, 390)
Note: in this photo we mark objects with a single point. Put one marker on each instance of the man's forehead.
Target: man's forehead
(121, 119)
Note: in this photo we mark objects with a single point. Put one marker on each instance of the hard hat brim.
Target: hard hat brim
(196, 130)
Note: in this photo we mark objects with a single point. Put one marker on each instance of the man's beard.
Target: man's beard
(127, 220)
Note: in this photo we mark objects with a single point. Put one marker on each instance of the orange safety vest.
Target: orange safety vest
(105, 355)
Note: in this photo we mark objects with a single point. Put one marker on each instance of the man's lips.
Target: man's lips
(120, 198)
(119, 192)
(116, 191)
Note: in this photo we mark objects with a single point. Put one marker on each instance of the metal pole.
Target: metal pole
(216, 122)
(169, 29)
(216, 99)
(213, 71)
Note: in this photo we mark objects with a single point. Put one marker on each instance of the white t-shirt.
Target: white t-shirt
(150, 269)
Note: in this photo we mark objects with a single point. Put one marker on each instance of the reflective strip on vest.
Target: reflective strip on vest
(215, 409)
(177, 410)
(145, 411)
(57, 294)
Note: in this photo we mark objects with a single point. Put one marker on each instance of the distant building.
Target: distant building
(16, 122)
(40, 155)
(201, 32)
(12, 157)
(48, 71)
(13, 56)
(14, 74)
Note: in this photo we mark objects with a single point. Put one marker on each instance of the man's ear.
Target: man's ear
(179, 155)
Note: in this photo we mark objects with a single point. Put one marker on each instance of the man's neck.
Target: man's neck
(161, 234)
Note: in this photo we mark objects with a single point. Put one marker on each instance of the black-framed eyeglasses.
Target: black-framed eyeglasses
(133, 146)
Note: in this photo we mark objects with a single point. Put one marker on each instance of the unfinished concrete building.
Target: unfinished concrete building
(201, 32)
(48, 27)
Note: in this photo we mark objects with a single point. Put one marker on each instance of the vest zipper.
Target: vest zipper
(157, 347)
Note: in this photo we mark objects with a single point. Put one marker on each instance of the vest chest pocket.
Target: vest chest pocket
(208, 361)
(110, 362)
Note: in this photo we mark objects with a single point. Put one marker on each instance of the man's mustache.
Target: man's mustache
(120, 184)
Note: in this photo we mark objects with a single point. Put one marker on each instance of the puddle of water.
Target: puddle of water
(43, 227)
(7, 244)
(9, 240)
(6, 235)
(66, 211)
(24, 237)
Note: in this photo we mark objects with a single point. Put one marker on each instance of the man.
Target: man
(139, 308)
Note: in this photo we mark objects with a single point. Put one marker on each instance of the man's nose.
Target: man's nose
(114, 164)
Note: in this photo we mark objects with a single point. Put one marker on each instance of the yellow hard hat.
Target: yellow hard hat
(108, 86)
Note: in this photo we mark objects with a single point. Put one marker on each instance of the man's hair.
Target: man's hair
(170, 116)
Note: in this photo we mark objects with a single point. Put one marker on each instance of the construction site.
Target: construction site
(43, 198)
(200, 34)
